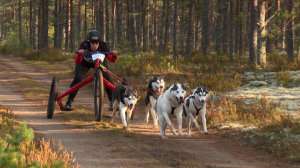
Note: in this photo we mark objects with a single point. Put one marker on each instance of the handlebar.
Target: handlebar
(96, 52)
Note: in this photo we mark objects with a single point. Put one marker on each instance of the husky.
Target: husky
(124, 98)
(156, 87)
(194, 105)
(171, 102)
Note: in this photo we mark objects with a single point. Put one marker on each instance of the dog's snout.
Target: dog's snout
(161, 87)
(181, 97)
(202, 100)
(131, 104)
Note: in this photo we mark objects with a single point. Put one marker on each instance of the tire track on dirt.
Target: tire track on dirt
(110, 149)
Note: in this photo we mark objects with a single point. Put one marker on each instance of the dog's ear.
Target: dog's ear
(198, 86)
(174, 82)
(205, 86)
(125, 92)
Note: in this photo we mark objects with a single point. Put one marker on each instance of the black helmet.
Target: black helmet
(93, 36)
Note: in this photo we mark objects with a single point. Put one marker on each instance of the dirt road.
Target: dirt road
(110, 148)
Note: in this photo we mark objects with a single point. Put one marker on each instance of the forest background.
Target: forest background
(228, 27)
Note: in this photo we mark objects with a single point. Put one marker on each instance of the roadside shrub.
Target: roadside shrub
(13, 44)
(227, 109)
(279, 137)
(17, 148)
(218, 73)
(279, 62)
(50, 55)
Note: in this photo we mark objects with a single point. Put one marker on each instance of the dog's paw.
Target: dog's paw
(155, 126)
(146, 120)
(164, 137)
(173, 131)
(189, 135)
(128, 129)
(180, 133)
(206, 132)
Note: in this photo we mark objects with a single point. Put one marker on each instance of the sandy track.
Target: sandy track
(111, 149)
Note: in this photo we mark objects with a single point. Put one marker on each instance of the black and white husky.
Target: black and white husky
(171, 102)
(156, 87)
(194, 105)
(125, 98)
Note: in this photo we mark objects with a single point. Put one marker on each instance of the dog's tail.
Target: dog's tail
(125, 81)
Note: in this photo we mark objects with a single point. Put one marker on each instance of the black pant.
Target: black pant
(81, 70)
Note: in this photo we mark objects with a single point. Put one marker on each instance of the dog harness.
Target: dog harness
(173, 108)
(188, 104)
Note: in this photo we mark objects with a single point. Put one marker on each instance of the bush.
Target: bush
(50, 55)
(13, 44)
(17, 148)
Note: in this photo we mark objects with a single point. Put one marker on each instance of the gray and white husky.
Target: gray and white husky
(171, 102)
(155, 88)
(194, 105)
(125, 98)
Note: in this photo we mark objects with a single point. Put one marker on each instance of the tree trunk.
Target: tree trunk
(144, 25)
(155, 22)
(290, 31)
(175, 49)
(85, 13)
(30, 23)
(55, 37)
(72, 27)
(61, 23)
(119, 21)
(107, 39)
(190, 30)
(67, 25)
(20, 21)
(44, 31)
(218, 28)
(262, 35)
(137, 18)
(4, 21)
(277, 6)
(231, 23)
(283, 28)
(237, 22)
(33, 44)
(241, 40)
(269, 40)
(132, 34)
(206, 28)
(113, 23)
(225, 26)
(253, 33)
(197, 32)
(166, 39)
(102, 21)
(39, 25)
(162, 27)
(182, 28)
(78, 35)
